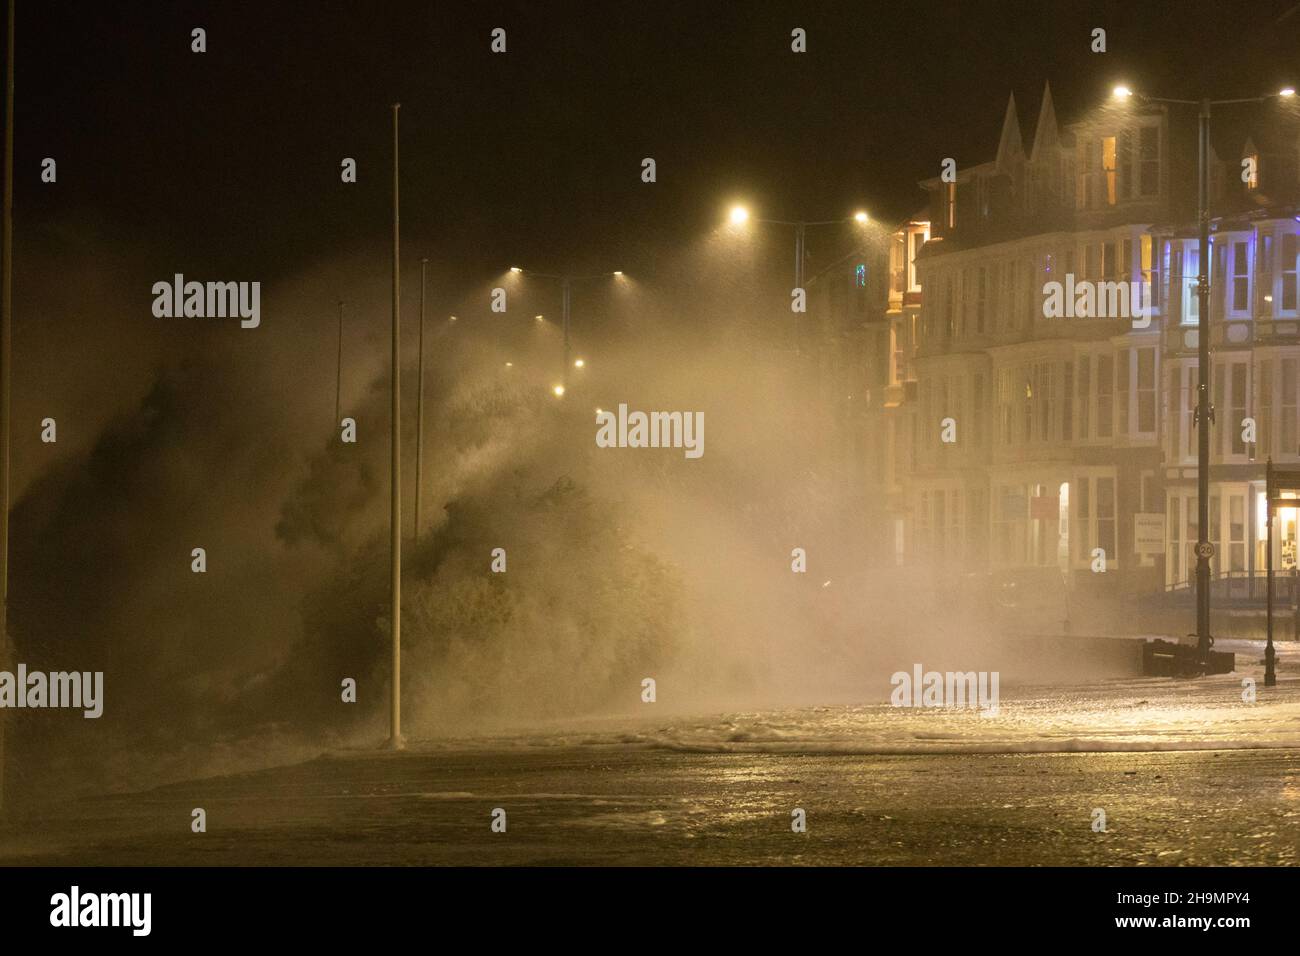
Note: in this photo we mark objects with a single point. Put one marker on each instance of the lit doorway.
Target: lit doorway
(1284, 537)
(1063, 538)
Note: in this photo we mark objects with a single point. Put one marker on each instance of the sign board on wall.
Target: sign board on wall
(1149, 533)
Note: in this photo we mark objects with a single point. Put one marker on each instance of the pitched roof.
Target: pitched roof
(1010, 147)
(1046, 134)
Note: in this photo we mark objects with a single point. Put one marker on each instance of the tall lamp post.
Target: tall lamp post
(419, 415)
(338, 374)
(740, 215)
(566, 286)
(6, 367)
(395, 518)
(1204, 549)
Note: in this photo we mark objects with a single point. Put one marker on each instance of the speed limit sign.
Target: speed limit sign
(1204, 549)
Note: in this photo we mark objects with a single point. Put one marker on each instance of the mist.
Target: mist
(622, 563)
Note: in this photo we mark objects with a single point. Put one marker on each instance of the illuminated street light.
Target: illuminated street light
(566, 282)
(579, 363)
(510, 364)
(453, 318)
(559, 391)
(1286, 91)
(1204, 549)
(540, 318)
(739, 215)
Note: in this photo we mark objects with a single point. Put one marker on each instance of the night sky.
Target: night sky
(229, 160)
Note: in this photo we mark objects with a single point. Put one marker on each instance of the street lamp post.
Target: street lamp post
(6, 366)
(395, 518)
(419, 401)
(566, 297)
(740, 215)
(1204, 550)
(1204, 411)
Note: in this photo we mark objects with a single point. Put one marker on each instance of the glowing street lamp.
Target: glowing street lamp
(566, 281)
(579, 363)
(559, 391)
(740, 215)
(1204, 549)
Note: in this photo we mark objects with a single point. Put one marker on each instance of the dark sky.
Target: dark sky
(228, 162)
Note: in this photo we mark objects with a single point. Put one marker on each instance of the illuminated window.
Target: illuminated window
(1150, 262)
(1110, 169)
(1192, 307)
(1240, 276)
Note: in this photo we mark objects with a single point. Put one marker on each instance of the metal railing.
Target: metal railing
(1244, 587)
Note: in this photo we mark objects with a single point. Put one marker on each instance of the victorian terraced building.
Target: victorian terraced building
(1076, 436)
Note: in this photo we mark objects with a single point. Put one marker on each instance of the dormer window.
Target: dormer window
(1139, 150)
(1122, 166)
